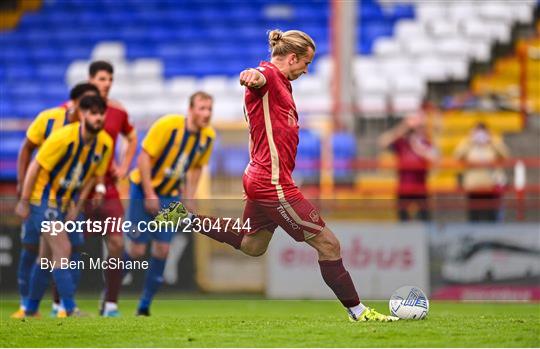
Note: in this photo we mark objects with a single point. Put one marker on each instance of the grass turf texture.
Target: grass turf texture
(260, 323)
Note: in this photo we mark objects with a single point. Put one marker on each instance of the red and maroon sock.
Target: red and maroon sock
(222, 230)
(339, 280)
(113, 277)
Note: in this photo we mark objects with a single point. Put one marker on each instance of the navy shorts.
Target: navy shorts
(31, 227)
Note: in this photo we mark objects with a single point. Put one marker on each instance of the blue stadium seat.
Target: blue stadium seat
(217, 157)
(242, 12)
(168, 51)
(23, 89)
(72, 36)
(10, 39)
(369, 10)
(87, 5)
(30, 108)
(6, 108)
(236, 162)
(8, 170)
(64, 18)
(37, 36)
(174, 67)
(191, 37)
(160, 34)
(55, 92)
(344, 152)
(117, 18)
(401, 11)
(51, 72)
(89, 17)
(16, 71)
(44, 53)
(10, 142)
(76, 52)
(309, 156)
(15, 53)
(33, 20)
(141, 50)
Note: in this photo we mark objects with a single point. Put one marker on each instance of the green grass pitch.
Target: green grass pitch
(265, 323)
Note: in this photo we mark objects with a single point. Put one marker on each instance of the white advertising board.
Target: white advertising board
(379, 257)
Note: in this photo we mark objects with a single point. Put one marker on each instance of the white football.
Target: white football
(409, 302)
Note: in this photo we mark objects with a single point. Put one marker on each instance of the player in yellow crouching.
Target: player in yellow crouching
(47, 122)
(169, 166)
(66, 168)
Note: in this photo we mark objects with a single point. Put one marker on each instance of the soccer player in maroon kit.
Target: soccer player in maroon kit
(272, 196)
(116, 122)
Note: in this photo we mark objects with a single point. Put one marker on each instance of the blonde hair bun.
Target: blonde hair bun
(291, 41)
(274, 36)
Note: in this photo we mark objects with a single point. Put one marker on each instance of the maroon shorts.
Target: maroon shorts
(111, 207)
(270, 206)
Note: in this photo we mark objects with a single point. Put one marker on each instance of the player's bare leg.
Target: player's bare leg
(256, 244)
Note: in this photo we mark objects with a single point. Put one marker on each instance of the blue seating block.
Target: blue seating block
(236, 161)
(309, 155)
(344, 152)
(29, 108)
(190, 36)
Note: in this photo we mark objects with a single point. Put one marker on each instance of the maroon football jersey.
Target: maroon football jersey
(273, 128)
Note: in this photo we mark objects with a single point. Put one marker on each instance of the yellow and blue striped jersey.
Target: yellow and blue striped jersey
(174, 150)
(67, 163)
(45, 123)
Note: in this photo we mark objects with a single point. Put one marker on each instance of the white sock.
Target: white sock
(56, 306)
(357, 310)
(110, 306)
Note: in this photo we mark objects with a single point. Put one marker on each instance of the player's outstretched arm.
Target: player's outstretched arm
(252, 78)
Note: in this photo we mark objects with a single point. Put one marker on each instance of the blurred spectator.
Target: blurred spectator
(409, 141)
(483, 180)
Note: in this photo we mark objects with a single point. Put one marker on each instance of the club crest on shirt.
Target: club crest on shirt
(314, 215)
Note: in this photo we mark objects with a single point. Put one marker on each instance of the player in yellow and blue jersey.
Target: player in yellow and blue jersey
(70, 161)
(39, 130)
(169, 166)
